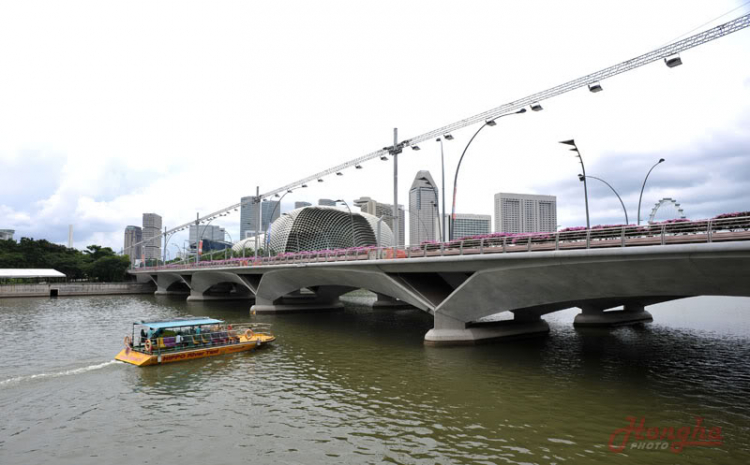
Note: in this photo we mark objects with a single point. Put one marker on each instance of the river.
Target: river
(358, 386)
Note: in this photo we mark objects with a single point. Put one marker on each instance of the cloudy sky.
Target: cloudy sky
(112, 109)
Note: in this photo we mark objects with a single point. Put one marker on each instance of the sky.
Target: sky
(112, 109)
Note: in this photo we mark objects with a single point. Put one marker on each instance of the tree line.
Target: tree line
(96, 263)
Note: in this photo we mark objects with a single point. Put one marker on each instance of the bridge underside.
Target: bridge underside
(461, 292)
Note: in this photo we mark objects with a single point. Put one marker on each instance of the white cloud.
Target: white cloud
(113, 110)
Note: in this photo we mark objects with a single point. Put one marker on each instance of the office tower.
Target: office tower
(301, 205)
(205, 232)
(152, 234)
(385, 211)
(467, 224)
(6, 234)
(326, 203)
(525, 213)
(249, 216)
(133, 235)
(424, 223)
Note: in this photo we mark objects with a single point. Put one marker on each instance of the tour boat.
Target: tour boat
(157, 342)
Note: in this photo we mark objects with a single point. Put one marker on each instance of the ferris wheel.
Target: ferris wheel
(666, 209)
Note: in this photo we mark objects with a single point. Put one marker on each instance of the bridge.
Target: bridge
(463, 282)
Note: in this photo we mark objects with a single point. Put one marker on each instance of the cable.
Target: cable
(704, 24)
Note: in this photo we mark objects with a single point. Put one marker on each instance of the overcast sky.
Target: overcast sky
(112, 109)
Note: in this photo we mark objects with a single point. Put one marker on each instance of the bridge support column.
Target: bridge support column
(631, 314)
(451, 332)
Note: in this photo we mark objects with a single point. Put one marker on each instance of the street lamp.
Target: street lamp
(582, 178)
(270, 219)
(351, 218)
(455, 179)
(661, 160)
(585, 187)
(442, 168)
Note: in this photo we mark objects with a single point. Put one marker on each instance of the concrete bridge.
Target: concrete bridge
(461, 289)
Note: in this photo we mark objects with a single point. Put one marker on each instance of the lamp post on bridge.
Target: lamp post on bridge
(270, 218)
(582, 178)
(661, 160)
(491, 122)
(585, 187)
(351, 218)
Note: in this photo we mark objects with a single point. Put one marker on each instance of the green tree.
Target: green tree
(109, 268)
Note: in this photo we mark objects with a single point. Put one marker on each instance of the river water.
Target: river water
(358, 386)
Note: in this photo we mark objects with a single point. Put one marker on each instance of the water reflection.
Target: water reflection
(358, 386)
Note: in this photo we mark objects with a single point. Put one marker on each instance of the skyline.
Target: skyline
(695, 116)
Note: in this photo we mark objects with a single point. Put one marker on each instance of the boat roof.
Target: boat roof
(178, 322)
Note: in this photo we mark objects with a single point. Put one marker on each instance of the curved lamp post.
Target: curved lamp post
(270, 220)
(491, 122)
(585, 187)
(200, 238)
(582, 178)
(661, 160)
(442, 166)
(351, 218)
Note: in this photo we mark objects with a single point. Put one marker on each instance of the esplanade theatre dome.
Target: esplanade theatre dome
(326, 228)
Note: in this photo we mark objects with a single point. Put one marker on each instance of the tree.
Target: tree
(109, 268)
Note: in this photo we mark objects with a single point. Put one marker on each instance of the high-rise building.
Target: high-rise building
(249, 216)
(525, 213)
(301, 205)
(205, 232)
(152, 234)
(467, 224)
(424, 222)
(380, 210)
(6, 234)
(326, 203)
(133, 235)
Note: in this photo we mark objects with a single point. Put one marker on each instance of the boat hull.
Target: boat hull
(140, 359)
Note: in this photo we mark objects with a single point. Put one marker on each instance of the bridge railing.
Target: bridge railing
(720, 229)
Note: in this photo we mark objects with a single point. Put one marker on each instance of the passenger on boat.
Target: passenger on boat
(143, 336)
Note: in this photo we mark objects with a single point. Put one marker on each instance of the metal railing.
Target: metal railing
(186, 340)
(666, 233)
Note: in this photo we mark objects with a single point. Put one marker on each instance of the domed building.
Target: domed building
(326, 228)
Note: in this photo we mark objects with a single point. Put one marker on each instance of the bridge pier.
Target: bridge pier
(450, 332)
(631, 314)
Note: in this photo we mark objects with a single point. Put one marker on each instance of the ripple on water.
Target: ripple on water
(359, 387)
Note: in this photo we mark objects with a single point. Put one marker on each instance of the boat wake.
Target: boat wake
(76, 371)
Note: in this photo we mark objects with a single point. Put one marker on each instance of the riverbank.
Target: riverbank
(74, 289)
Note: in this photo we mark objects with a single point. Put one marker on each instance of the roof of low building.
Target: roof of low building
(8, 273)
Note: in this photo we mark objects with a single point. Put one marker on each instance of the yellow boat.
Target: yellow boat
(158, 342)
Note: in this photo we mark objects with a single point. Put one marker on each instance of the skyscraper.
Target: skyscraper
(525, 213)
(301, 204)
(424, 223)
(380, 210)
(467, 224)
(152, 234)
(249, 216)
(326, 203)
(207, 232)
(133, 235)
